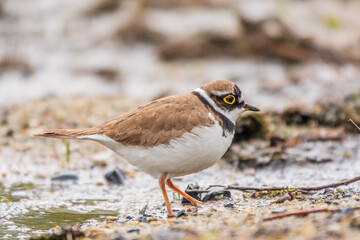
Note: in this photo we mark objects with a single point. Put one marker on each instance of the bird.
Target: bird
(171, 136)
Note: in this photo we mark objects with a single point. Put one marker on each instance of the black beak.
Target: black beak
(248, 107)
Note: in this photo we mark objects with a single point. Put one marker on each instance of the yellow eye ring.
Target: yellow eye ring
(229, 99)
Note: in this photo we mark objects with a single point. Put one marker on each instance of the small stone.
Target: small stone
(135, 230)
(328, 190)
(153, 219)
(118, 237)
(197, 196)
(285, 197)
(342, 189)
(115, 177)
(65, 177)
(229, 205)
(142, 219)
(279, 210)
(181, 213)
(216, 195)
(10, 133)
(128, 217)
(346, 195)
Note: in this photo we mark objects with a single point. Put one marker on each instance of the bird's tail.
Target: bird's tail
(66, 133)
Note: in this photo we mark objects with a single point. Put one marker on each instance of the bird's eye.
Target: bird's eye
(229, 99)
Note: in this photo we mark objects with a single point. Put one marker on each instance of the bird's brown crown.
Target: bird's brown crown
(221, 86)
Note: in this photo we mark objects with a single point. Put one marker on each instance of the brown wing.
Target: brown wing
(158, 122)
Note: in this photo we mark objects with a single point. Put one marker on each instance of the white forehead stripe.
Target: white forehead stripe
(219, 94)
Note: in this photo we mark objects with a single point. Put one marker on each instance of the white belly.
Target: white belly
(190, 153)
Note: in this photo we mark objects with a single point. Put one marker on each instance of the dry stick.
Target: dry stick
(305, 212)
(300, 189)
(346, 182)
(356, 126)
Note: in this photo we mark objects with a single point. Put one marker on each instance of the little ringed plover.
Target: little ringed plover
(171, 136)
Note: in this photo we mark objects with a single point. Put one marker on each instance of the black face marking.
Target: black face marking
(219, 100)
(242, 103)
(226, 123)
(221, 103)
(237, 91)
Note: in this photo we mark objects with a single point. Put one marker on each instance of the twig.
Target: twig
(211, 186)
(305, 212)
(259, 189)
(346, 182)
(356, 126)
(231, 187)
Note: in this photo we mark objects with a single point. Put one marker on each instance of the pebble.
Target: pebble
(133, 230)
(118, 237)
(142, 219)
(181, 213)
(346, 195)
(285, 197)
(216, 195)
(279, 210)
(65, 177)
(229, 205)
(197, 196)
(115, 177)
(328, 190)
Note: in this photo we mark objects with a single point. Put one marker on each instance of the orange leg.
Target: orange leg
(192, 200)
(162, 180)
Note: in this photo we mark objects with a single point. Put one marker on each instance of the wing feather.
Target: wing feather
(158, 122)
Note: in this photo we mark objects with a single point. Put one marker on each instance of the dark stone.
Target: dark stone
(229, 205)
(128, 217)
(65, 177)
(286, 197)
(181, 213)
(142, 219)
(115, 177)
(169, 235)
(197, 196)
(10, 133)
(216, 195)
(118, 237)
(279, 210)
(328, 190)
(135, 230)
(347, 195)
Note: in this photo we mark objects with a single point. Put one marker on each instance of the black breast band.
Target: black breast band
(225, 122)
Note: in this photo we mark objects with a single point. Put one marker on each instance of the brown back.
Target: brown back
(158, 122)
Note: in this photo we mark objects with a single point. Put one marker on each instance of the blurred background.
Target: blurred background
(76, 64)
(279, 52)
